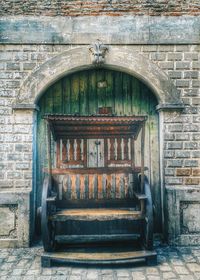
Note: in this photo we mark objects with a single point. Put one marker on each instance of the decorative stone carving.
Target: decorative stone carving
(98, 51)
(8, 220)
(189, 217)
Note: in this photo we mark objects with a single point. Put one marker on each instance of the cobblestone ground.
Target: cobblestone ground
(173, 263)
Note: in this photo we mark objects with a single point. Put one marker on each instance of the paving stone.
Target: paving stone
(59, 278)
(152, 270)
(181, 270)
(138, 275)
(165, 268)
(92, 274)
(174, 263)
(152, 277)
(123, 273)
(186, 277)
(194, 267)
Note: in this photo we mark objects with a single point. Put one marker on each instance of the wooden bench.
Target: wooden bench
(92, 190)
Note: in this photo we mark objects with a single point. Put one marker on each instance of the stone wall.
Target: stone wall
(104, 7)
(179, 131)
(182, 131)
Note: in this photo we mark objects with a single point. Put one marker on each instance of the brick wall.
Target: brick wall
(103, 7)
(181, 130)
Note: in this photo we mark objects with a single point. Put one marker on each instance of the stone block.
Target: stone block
(196, 83)
(191, 74)
(13, 66)
(174, 163)
(174, 145)
(7, 219)
(191, 56)
(183, 211)
(22, 147)
(191, 92)
(196, 101)
(182, 154)
(174, 56)
(173, 181)
(182, 65)
(158, 56)
(14, 218)
(182, 83)
(192, 181)
(6, 56)
(166, 65)
(196, 136)
(195, 154)
(169, 171)
(191, 127)
(169, 154)
(28, 66)
(22, 166)
(182, 136)
(21, 56)
(23, 117)
(175, 74)
(169, 136)
(196, 65)
(191, 145)
(196, 171)
(175, 127)
(183, 171)
(14, 175)
(182, 48)
(192, 163)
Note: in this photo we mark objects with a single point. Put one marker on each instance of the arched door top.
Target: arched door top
(118, 58)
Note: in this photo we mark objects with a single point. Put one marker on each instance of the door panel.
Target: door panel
(95, 152)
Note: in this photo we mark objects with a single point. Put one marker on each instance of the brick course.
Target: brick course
(76, 8)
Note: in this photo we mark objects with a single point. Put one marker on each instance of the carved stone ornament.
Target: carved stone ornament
(98, 51)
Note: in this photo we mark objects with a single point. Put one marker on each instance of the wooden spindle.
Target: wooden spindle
(71, 149)
(78, 150)
(119, 149)
(125, 148)
(112, 149)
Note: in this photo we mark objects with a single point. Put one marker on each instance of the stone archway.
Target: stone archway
(118, 58)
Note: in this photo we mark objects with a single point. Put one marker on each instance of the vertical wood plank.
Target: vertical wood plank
(82, 186)
(83, 93)
(66, 84)
(75, 94)
(101, 91)
(57, 97)
(118, 93)
(108, 185)
(73, 186)
(100, 186)
(91, 186)
(92, 97)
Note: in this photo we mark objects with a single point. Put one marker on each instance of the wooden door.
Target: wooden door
(83, 93)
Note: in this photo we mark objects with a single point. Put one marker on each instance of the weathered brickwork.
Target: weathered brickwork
(104, 7)
(182, 130)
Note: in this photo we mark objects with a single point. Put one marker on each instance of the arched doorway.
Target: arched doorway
(83, 93)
